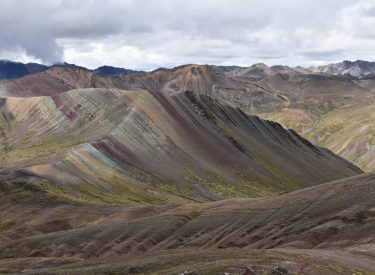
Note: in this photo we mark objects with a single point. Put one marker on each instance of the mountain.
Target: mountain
(206, 80)
(88, 143)
(298, 99)
(110, 71)
(325, 109)
(331, 111)
(52, 81)
(325, 229)
(68, 66)
(9, 69)
(201, 79)
(260, 71)
(359, 68)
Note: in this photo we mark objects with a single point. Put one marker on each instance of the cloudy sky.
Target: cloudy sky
(146, 34)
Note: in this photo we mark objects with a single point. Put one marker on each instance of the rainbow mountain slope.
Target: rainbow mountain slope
(115, 146)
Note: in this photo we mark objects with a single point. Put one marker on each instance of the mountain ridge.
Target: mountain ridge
(358, 68)
(11, 69)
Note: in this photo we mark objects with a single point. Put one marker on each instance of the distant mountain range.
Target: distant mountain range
(359, 69)
(10, 69)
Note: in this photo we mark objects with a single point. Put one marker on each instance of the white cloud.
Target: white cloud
(142, 34)
(92, 55)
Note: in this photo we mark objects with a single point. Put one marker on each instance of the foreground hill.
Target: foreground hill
(325, 229)
(118, 146)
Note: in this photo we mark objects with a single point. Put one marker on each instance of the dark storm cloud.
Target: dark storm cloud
(147, 34)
